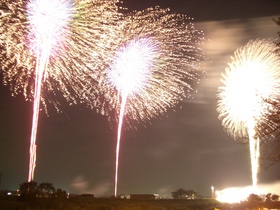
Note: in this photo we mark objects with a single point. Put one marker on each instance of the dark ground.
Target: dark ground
(80, 203)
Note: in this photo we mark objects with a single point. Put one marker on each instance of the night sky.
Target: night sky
(186, 148)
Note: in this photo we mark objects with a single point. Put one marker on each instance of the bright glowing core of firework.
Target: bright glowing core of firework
(250, 79)
(47, 21)
(247, 85)
(131, 67)
(129, 74)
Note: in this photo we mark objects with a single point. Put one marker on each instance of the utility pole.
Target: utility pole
(0, 181)
(213, 192)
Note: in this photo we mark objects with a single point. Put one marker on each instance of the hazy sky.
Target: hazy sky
(184, 149)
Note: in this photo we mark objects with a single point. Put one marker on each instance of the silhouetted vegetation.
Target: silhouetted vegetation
(31, 190)
(184, 194)
(32, 196)
(255, 202)
(269, 126)
(87, 203)
(277, 21)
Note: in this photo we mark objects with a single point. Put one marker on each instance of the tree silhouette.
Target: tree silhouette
(269, 128)
(277, 21)
(28, 189)
(60, 193)
(46, 189)
(274, 197)
(183, 194)
(253, 198)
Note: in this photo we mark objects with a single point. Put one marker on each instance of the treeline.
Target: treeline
(90, 203)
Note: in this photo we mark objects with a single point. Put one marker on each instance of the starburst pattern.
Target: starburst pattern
(155, 64)
(176, 66)
(44, 49)
(85, 46)
(251, 79)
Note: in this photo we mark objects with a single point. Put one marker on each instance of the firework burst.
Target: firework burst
(129, 74)
(251, 78)
(82, 45)
(47, 23)
(155, 63)
(47, 42)
(174, 70)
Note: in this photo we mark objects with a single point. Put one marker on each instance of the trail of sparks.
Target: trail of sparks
(129, 73)
(47, 22)
(55, 43)
(124, 99)
(251, 78)
(173, 68)
(254, 146)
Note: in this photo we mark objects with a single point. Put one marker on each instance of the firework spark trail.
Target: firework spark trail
(251, 78)
(47, 21)
(129, 73)
(254, 146)
(124, 99)
(50, 42)
(171, 73)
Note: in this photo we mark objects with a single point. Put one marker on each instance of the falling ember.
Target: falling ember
(251, 78)
(130, 74)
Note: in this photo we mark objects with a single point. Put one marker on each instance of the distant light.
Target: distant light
(213, 192)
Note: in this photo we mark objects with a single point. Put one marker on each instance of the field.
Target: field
(79, 203)
(85, 203)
